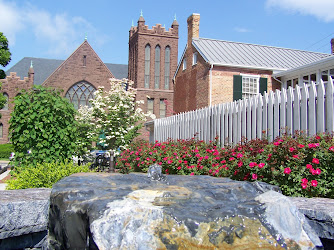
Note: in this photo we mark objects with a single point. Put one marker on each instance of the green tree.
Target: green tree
(43, 127)
(115, 115)
(5, 55)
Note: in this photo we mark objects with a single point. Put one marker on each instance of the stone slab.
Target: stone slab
(23, 211)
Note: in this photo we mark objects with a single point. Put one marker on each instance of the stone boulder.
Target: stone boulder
(319, 213)
(114, 211)
(24, 218)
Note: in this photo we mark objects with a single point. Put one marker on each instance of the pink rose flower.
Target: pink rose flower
(287, 170)
(314, 183)
(192, 173)
(291, 149)
(239, 155)
(315, 161)
(304, 180)
(254, 176)
(261, 165)
(304, 185)
(252, 164)
(308, 166)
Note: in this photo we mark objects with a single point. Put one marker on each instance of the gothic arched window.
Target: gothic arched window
(147, 65)
(80, 94)
(167, 66)
(157, 67)
(5, 107)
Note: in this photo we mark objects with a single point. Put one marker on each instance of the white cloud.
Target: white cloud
(62, 33)
(241, 30)
(322, 9)
(10, 21)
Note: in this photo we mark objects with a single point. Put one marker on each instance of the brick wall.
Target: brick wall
(139, 37)
(222, 82)
(12, 86)
(74, 70)
(191, 85)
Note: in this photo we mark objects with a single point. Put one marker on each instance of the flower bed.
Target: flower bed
(300, 166)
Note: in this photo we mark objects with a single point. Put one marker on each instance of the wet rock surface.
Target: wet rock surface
(320, 214)
(24, 218)
(114, 211)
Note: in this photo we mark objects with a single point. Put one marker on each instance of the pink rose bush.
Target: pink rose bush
(300, 166)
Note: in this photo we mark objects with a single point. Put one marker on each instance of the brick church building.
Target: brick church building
(153, 55)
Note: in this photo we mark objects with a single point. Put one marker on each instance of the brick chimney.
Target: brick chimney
(193, 27)
(332, 45)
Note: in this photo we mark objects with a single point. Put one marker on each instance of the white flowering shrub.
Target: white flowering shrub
(115, 113)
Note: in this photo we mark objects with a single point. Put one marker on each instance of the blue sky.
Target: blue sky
(54, 29)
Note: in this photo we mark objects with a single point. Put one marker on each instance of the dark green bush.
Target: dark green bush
(5, 150)
(42, 175)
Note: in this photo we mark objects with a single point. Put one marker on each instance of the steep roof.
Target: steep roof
(43, 68)
(236, 54)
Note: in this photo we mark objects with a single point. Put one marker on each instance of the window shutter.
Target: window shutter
(263, 85)
(237, 87)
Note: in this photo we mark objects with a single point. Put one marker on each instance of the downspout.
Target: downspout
(278, 81)
(210, 76)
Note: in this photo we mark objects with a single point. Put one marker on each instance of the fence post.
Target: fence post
(277, 101)
(303, 108)
(283, 111)
(259, 116)
(296, 109)
(329, 106)
(271, 100)
(254, 118)
(312, 110)
(289, 111)
(321, 107)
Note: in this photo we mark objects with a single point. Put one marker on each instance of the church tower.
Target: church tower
(153, 55)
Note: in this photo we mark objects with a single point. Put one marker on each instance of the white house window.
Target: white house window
(184, 64)
(80, 94)
(250, 86)
(195, 58)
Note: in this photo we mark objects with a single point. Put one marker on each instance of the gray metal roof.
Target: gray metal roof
(43, 68)
(247, 55)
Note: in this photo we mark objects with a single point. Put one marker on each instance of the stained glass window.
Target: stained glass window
(80, 94)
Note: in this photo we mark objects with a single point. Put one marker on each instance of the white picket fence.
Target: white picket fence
(307, 108)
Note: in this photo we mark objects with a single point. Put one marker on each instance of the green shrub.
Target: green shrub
(42, 175)
(5, 150)
(42, 126)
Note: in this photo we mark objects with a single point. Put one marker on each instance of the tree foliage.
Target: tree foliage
(43, 127)
(5, 55)
(114, 114)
